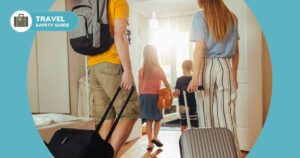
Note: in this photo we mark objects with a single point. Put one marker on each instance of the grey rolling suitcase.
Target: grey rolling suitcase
(206, 142)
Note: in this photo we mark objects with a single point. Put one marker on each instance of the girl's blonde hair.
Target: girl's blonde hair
(150, 61)
(218, 17)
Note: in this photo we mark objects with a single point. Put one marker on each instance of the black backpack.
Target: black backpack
(92, 36)
(75, 143)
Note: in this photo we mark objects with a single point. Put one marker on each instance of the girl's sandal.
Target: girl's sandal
(149, 148)
(157, 143)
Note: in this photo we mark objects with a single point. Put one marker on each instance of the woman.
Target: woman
(216, 57)
(150, 77)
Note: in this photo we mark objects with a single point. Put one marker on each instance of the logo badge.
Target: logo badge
(21, 21)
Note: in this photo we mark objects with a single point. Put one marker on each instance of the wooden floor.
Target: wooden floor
(137, 148)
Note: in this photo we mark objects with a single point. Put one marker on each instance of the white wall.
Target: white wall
(134, 47)
(33, 80)
(76, 68)
(54, 70)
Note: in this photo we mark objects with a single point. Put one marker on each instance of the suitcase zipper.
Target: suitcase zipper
(63, 142)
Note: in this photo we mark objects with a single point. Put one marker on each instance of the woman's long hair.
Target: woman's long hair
(150, 61)
(219, 18)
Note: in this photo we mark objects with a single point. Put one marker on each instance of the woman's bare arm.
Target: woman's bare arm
(235, 65)
(200, 48)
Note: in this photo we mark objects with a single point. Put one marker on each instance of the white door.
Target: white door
(48, 81)
(33, 80)
(53, 70)
(249, 102)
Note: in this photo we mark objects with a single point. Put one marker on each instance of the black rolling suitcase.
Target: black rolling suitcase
(74, 143)
(206, 142)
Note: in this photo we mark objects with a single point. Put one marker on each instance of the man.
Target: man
(110, 70)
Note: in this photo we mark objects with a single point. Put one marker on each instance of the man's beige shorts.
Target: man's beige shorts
(104, 79)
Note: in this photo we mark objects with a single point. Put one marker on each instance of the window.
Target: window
(173, 48)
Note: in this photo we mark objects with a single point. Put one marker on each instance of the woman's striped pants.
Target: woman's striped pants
(217, 108)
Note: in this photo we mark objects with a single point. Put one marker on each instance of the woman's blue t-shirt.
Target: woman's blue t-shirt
(215, 49)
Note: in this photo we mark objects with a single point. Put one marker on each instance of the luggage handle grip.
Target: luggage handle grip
(118, 117)
(200, 88)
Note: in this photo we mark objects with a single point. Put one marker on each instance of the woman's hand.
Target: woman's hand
(193, 86)
(235, 83)
(200, 48)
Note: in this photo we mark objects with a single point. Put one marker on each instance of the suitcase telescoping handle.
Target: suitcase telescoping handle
(187, 114)
(119, 115)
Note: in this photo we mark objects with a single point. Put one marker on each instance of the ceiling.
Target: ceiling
(165, 8)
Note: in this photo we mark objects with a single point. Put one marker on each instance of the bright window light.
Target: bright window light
(169, 40)
(154, 23)
(173, 48)
(163, 39)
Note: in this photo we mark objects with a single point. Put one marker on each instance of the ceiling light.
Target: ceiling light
(154, 23)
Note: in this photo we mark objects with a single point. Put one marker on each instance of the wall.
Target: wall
(144, 34)
(134, 47)
(72, 66)
(48, 77)
(33, 79)
(76, 68)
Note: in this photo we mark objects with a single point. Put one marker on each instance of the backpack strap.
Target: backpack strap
(105, 5)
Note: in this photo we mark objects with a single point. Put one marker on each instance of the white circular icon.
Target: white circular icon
(21, 21)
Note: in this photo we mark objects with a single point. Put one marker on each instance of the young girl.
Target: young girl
(150, 77)
(216, 58)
